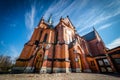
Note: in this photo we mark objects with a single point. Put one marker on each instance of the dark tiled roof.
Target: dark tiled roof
(90, 36)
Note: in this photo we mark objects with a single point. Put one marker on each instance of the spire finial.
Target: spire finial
(50, 19)
(94, 28)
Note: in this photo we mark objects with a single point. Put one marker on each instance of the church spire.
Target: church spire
(94, 28)
(50, 19)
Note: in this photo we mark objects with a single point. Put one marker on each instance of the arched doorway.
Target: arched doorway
(39, 60)
(79, 62)
(76, 63)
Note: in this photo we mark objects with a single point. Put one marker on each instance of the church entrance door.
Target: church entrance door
(39, 60)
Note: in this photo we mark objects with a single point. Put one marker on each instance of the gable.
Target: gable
(68, 23)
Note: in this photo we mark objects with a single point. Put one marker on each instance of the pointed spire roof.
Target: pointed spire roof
(41, 20)
(50, 21)
(94, 28)
(95, 31)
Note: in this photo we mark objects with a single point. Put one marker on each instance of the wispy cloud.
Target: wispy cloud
(29, 18)
(114, 43)
(64, 8)
(105, 26)
(56, 8)
(92, 16)
(53, 7)
(84, 17)
(96, 16)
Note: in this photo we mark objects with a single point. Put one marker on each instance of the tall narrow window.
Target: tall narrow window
(45, 38)
(40, 33)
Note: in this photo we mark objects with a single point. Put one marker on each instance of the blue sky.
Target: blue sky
(18, 18)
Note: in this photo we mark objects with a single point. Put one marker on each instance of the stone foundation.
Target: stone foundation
(87, 70)
(29, 69)
(64, 70)
(18, 69)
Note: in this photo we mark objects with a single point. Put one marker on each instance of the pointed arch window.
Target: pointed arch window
(45, 38)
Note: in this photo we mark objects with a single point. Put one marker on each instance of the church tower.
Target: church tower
(37, 54)
(59, 48)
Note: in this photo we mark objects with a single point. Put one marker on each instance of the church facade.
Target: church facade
(60, 49)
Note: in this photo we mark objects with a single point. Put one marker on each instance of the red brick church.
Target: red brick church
(54, 49)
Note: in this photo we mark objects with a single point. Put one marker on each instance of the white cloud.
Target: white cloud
(29, 18)
(105, 26)
(74, 7)
(85, 19)
(114, 43)
(95, 15)
(64, 8)
(56, 8)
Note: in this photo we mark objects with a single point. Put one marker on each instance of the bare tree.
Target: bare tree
(5, 63)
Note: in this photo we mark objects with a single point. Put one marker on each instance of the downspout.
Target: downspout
(55, 38)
